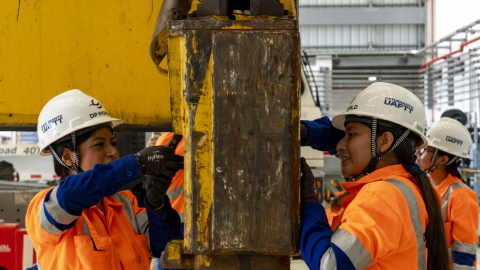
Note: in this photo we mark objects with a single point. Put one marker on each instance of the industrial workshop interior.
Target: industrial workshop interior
(239, 134)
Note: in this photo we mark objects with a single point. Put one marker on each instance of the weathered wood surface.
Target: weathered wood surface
(255, 108)
(240, 116)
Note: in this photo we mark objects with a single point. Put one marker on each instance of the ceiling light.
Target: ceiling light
(372, 79)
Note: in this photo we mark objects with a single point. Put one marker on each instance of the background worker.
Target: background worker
(175, 191)
(449, 140)
(83, 223)
(390, 208)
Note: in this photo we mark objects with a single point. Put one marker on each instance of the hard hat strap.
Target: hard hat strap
(58, 158)
(373, 162)
(76, 165)
(433, 167)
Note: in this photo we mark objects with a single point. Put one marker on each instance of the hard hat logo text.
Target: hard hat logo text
(49, 124)
(454, 140)
(102, 113)
(398, 104)
(352, 107)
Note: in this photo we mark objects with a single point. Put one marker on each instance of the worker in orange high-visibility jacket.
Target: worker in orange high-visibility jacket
(175, 191)
(84, 222)
(390, 215)
(448, 141)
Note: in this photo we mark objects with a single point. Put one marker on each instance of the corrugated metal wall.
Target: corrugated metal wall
(361, 37)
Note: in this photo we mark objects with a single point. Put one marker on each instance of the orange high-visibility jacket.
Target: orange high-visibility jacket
(460, 216)
(175, 191)
(96, 241)
(382, 221)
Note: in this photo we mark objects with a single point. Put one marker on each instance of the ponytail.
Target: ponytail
(434, 234)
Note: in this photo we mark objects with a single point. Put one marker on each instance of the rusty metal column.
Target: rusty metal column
(235, 97)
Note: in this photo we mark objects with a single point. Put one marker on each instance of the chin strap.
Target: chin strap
(432, 160)
(373, 162)
(76, 166)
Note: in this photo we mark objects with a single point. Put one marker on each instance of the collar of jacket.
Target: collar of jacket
(384, 173)
(110, 201)
(445, 184)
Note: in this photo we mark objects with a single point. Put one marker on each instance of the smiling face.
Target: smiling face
(355, 149)
(100, 147)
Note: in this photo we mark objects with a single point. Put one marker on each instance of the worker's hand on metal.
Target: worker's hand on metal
(309, 184)
(159, 160)
(156, 187)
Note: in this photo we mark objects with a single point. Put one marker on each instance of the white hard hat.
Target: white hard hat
(69, 112)
(388, 102)
(450, 136)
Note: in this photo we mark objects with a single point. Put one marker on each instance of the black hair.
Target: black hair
(452, 168)
(66, 142)
(434, 234)
(435, 239)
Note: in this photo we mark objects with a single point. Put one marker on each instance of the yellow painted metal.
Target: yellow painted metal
(173, 256)
(176, 67)
(100, 47)
(287, 4)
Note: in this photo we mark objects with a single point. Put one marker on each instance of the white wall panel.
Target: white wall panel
(359, 37)
(345, 3)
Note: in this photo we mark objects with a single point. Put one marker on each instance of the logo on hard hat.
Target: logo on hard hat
(49, 124)
(352, 107)
(101, 113)
(98, 104)
(454, 140)
(398, 104)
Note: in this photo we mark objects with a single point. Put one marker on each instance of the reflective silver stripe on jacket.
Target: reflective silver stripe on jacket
(139, 223)
(465, 247)
(328, 260)
(446, 198)
(352, 247)
(56, 212)
(462, 267)
(182, 217)
(415, 217)
(175, 193)
(86, 231)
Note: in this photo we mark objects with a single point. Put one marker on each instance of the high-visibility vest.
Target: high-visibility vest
(114, 239)
(175, 191)
(460, 216)
(382, 221)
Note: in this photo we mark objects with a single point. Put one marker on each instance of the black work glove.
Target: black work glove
(309, 184)
(303, 132)
(156, 187)
(159, 160)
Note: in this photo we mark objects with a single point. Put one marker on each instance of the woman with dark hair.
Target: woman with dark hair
(85, 222)
(449, 140)
(389, 217)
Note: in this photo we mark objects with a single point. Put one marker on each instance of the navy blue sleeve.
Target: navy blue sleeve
(462, 258)
(83, 190)
(165, 225)
(322, 135)
(316, 238)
